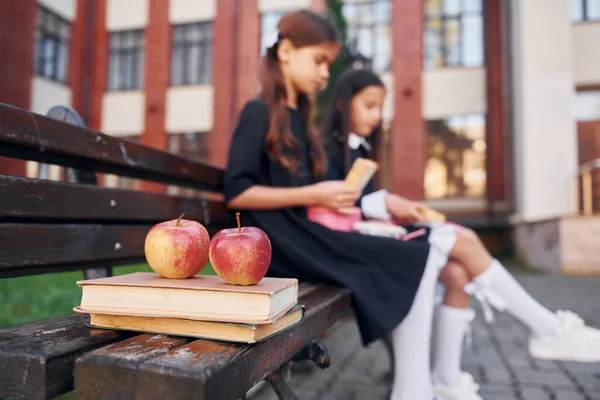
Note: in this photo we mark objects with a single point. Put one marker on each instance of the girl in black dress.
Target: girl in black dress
(351, 127)
(276, 169)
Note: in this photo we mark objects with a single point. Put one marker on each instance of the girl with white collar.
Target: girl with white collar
(350, 130)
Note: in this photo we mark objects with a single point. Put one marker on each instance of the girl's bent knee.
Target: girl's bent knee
(468, 237)
(454, 276)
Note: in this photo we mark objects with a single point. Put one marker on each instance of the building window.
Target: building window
(585, 10)
(52, 45)
(268, 24)
(370, 31)
(587, 105)
(453, 34)
(456, 153)
(126, 60)
(192, 145)
(191, 54)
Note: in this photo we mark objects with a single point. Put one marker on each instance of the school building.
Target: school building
(493, 105)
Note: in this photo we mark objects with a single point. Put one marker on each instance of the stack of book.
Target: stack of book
(203, 306)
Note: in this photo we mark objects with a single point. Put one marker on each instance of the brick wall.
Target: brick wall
(17, 30)
(99, 64)
(408, 139)
(156, 79)
(79, 63)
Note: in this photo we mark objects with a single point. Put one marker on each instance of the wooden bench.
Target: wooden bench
(48, 226)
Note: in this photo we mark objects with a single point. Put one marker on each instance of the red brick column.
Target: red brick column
(496, 166)
(79, 51)
(248, 55)
(99, 68)
(17, 44)
(157, 59)
(408, 137)
(223, 61)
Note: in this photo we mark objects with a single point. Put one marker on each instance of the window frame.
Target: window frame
(134, 52)
(373, 26)
(585, 12)
(436, 127)
(56, 29)
(444, 19)
(186, 45)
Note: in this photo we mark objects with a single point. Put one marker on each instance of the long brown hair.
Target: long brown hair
(302, 28)
(336, 122)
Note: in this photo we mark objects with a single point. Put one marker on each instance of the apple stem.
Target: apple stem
(179, 220)
(237, 217)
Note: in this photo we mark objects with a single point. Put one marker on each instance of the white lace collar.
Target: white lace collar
(355, 141)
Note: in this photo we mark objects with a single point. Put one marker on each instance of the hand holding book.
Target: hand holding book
(334, 195)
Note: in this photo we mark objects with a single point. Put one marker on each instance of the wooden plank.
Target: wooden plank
(37, 359)
(24, 246)
(205, 369)
(31, 249)
(118, 379)
(30, 136)
(25, 199)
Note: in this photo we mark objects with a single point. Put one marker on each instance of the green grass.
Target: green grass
(32, 298)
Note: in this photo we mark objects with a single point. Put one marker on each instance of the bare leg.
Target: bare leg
(470, 253)
(455, 278)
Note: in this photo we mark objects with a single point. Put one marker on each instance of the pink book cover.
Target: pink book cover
(335, 220)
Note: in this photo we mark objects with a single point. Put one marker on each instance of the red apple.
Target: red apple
(177, 249)
(240, 256)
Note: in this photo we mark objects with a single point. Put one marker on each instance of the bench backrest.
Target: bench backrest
(48, 226)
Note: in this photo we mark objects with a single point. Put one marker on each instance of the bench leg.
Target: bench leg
(315, 351)
(387, 342)
(94, 273)
(277, 380)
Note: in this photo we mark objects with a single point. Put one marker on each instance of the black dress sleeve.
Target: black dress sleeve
(335, 160)
(245, 166)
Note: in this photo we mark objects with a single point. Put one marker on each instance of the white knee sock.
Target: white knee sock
(411, 342)
(500, 284)
(450, 329)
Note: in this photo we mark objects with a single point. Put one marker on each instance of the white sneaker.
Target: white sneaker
(573, 341)
(467, 390)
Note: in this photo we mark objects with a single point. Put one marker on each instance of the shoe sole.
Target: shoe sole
(555, 356)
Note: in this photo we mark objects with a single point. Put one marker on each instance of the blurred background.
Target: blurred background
(492, 114)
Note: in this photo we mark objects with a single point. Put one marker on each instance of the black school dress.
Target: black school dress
(382, 274)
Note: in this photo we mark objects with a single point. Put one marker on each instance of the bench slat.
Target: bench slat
(204, 369)
(118, 381)
(30, 136)
(39, 247)
(37, 359)
(33, 199)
